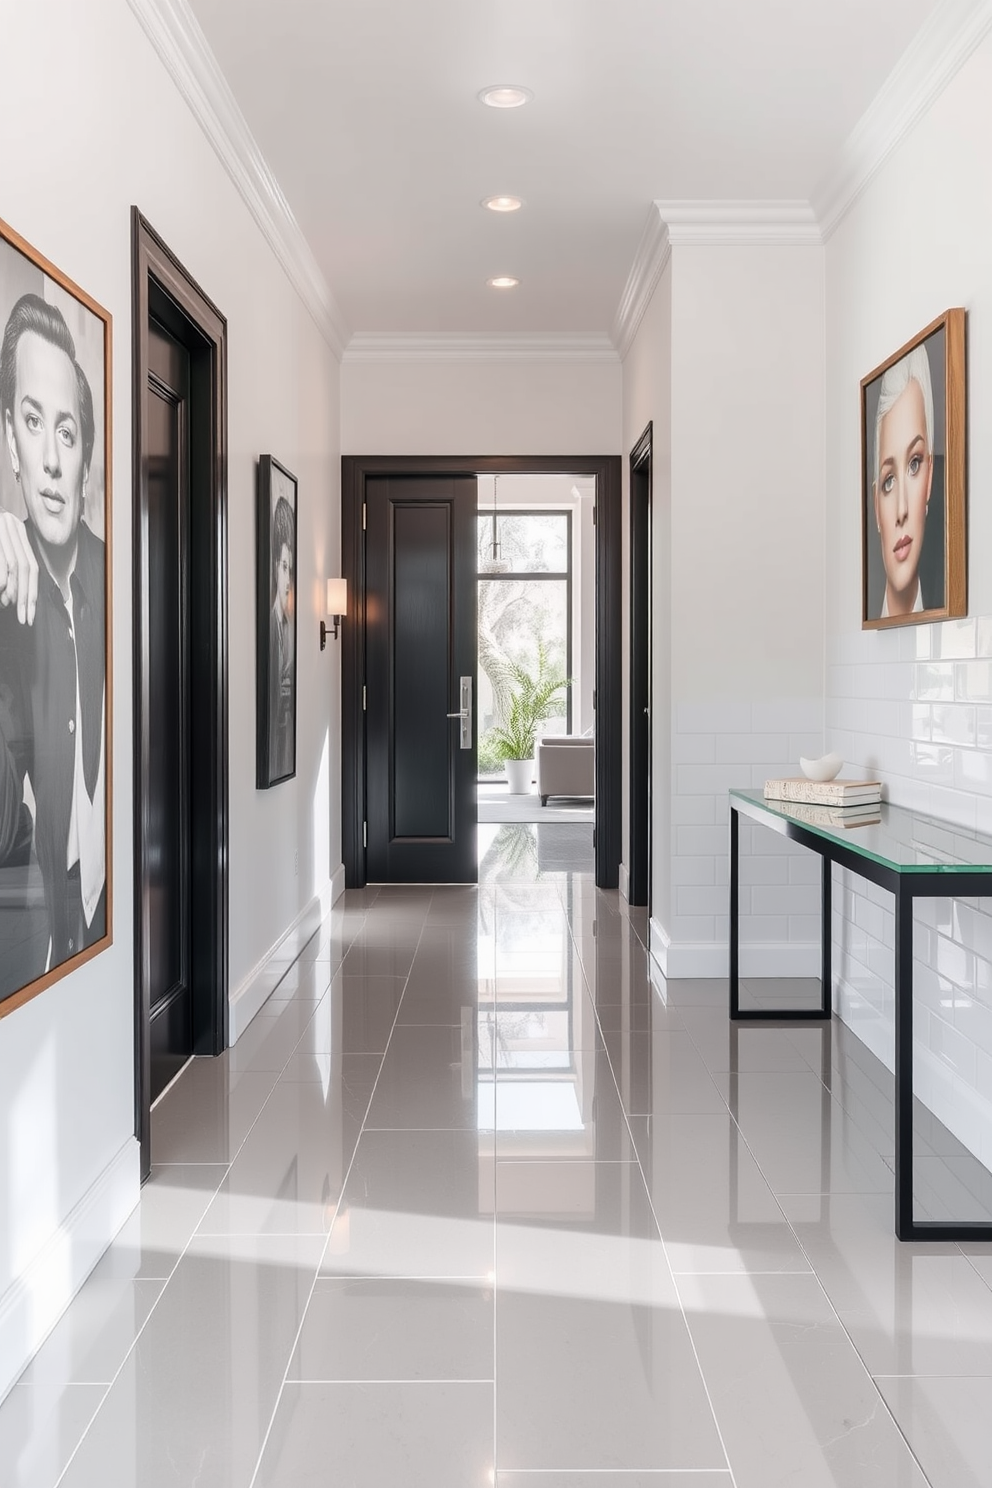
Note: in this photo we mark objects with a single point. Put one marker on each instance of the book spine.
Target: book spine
(827, 816)
(817, 793)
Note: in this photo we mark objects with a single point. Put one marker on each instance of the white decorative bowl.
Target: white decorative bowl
(827, 767)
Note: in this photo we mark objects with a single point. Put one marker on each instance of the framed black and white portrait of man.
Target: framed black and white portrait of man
(55, 624)
(275, 624)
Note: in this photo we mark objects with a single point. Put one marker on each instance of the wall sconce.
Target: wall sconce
(337, 608)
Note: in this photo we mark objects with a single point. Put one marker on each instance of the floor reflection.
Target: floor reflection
(477, 1199)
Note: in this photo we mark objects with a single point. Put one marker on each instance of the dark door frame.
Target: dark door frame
(606, 469)
(639, 498)
(162, 287)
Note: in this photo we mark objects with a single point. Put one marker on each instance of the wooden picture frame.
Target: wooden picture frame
(275, 623)
(914, 562)
(56, 661)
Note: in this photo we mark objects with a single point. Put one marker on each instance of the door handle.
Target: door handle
(465, 713)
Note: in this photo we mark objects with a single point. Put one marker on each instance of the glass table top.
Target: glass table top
(906, 841)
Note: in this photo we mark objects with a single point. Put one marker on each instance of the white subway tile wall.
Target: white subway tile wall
(715, 747)
(914, 707)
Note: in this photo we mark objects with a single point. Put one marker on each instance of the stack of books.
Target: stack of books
(828, 803)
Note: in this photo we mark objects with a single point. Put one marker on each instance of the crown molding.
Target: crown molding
(175, 33)
(653, 253)
(740, 224)
(938, 51)
(455, 346)
(725, 224)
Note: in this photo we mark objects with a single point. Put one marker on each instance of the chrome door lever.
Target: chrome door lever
(465, 713)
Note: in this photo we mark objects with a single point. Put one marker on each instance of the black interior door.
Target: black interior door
(639, 871)
(421, 650)
(167, 816)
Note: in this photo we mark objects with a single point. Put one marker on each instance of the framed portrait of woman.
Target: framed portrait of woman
(275, 624)
(913, 474)
(55, 624)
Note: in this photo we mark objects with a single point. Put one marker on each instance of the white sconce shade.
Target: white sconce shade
(337, 608)
(337, 596)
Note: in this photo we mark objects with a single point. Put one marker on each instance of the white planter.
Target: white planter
(520, 774)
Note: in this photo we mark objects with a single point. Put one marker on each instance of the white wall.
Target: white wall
(747, 588)
(122, 134)
(480, 408)
(915, 705)
(728, 363)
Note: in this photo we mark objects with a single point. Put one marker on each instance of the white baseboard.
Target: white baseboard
(337, 883)
(694, 959)
(31, 1307)
(623, 882)
(255, 989)
(658, 945)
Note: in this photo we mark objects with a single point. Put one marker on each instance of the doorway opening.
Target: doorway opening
(391, 539)
(180, 672)
(536, 664)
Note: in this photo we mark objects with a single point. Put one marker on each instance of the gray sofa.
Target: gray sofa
(566, 766)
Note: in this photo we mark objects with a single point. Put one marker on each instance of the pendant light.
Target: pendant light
(495, 563)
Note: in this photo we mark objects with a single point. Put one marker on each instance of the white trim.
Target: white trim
(653, 252)
(692, 959)
(175, 33)
(658, 944)
(740, 224)
(337, 885)
(623, 883)
(33, 1304)
(456, 346)
(268, 971)
(937, 52)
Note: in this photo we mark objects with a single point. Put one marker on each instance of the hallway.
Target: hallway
(472, 1201)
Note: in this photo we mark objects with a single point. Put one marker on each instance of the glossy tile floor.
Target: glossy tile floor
(472, 1202)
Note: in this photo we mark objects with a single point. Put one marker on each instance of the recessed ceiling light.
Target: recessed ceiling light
(503, 203)
(503, 281)
(505, 95)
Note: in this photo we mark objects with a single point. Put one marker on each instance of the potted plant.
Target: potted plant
(533, 700)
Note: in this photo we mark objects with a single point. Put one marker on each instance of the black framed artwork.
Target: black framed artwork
(913, 474)
(55, 624)
(276, 623)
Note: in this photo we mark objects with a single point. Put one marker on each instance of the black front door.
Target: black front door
(167, 821)
(421, 648)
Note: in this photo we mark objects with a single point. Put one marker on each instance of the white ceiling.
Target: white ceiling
(366, 112)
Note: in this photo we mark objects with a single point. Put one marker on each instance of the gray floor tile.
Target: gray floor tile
(193, 1401)
(370, 1435)
(793, 1399)
(40, 1428)
(207, 1115)
(386, 1328)
(541, 1218)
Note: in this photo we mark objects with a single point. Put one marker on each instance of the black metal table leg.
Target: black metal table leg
(735, 999)
(826, 936)
(906, 881)
(771, 1015)
(904, 1061)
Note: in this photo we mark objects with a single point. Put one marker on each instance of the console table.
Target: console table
(912, 856)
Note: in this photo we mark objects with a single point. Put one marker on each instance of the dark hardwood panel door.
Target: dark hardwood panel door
(167, 825)
(421, 649)
(639, 872)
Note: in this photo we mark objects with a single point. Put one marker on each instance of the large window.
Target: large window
(525, 613)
